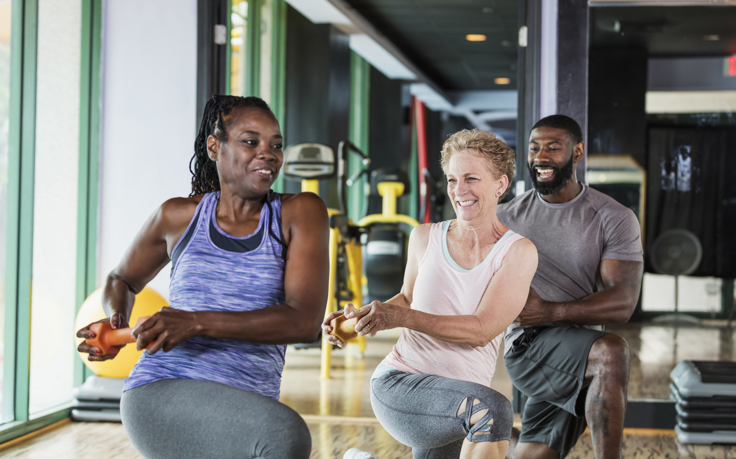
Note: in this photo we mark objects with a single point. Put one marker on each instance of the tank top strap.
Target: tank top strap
(275, 227)
(504, 245)
(192, 229)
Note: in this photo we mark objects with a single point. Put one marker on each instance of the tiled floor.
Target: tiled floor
(340, 417)
(656, 349)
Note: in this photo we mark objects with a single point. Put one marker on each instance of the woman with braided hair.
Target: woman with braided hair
(249, 275)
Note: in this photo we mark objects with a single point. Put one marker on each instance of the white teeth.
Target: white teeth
(264, 171)
(465, 203)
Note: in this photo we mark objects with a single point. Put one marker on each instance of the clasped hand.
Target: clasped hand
(165, 330)
(371, 319)
(116, 320)
(536, 310)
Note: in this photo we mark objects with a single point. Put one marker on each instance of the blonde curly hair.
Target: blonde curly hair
(500, 158)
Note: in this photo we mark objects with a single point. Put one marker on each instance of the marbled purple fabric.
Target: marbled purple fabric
(209, 278)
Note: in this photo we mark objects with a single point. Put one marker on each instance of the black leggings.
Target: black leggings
(184, 418)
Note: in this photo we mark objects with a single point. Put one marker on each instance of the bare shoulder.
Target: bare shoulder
(523, 252)
(176, 213)
(302, 205)
(419, 238)
(303, 213)
(421, 233)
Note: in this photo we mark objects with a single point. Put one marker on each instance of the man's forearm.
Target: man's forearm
(606, 307)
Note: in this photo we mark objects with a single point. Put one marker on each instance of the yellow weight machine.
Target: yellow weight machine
(312, 162)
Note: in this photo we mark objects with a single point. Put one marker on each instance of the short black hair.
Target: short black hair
(204, 171)
(562, 122)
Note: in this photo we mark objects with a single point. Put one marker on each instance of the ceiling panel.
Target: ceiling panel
(667, 31)
(432, 34)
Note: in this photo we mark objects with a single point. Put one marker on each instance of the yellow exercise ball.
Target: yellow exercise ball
(147, 302)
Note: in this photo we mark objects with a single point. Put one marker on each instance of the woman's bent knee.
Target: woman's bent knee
(295, 441)
(496, 422)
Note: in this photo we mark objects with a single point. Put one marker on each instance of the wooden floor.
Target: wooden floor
(340, 417)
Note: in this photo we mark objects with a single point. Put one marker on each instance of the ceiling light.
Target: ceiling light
(379, 58)
(502, 80)
(475, 37)
(711, 37)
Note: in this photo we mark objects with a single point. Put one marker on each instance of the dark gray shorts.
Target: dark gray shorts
(185, 418)
(549, 371)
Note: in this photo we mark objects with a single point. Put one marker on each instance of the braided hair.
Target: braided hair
(204, 171)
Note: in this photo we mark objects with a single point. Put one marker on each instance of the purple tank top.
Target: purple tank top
(214, 271)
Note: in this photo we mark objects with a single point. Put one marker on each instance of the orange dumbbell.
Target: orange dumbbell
(107, 339)
(344, 328)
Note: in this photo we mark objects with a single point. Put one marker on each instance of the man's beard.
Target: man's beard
(561, 177)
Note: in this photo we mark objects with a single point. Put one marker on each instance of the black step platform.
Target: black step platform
(705, 397)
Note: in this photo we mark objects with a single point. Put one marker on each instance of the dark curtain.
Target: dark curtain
(690, 185)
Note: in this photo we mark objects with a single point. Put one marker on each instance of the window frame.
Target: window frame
(21, 158)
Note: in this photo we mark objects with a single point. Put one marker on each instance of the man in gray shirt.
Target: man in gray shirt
(590, 267)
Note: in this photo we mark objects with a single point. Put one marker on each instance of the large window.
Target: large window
(49, 106)
(5, 31)
(238, 37)
(55, 204)
(266, 51)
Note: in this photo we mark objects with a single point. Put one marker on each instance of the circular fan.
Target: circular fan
(676, 252)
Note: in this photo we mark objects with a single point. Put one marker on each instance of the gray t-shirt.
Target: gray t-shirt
(572, 238)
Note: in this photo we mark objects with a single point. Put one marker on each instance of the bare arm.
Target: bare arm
(418, 242)
(305, 285)
(501, 303)
(145, 257)
(417, 247)
(612, 305)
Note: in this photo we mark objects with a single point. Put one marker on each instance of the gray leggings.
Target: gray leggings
(184, 418)
(420, 411)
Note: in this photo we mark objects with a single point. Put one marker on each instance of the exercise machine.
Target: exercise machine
(311, 162)
(385, 241)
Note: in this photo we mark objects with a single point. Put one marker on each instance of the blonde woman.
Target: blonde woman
(466, 280)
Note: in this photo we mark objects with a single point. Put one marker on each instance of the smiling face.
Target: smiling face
(552, 159)
(249, 159)
(472, 189)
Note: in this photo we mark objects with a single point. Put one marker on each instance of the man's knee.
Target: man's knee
(609, 353)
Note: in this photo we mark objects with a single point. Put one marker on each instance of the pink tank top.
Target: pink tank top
(443, 287)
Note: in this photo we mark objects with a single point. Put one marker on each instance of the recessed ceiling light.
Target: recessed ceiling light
(475, 37)
(502, 80)
(711, 37)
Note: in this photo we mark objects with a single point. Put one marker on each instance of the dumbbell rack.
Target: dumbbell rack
(705, 400)
(98, 399)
